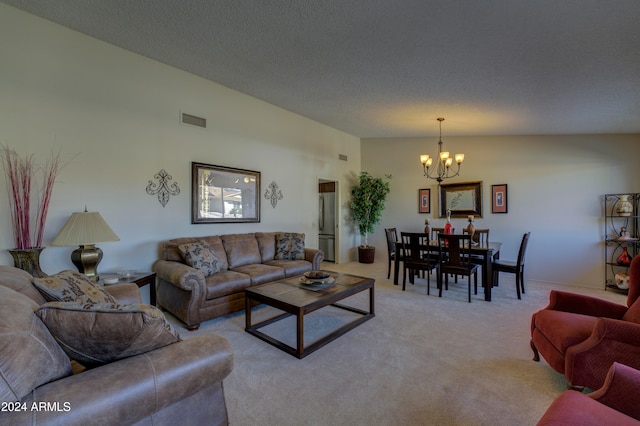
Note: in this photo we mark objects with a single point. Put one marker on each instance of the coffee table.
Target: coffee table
(294, 298)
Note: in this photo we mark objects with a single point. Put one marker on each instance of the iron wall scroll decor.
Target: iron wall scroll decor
(162, 187)
(463, 199)
(224, 194)
(273, 194)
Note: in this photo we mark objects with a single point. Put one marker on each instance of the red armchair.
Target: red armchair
(582, 336)
(615, 403)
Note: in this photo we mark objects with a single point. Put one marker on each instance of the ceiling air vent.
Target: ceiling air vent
(194, 120)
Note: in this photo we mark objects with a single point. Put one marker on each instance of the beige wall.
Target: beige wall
(115, 116)
(555, 188)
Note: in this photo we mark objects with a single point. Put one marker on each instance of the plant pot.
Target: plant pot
(366, 254)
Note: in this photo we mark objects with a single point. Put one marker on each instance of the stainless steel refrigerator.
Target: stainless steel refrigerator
(327, 225)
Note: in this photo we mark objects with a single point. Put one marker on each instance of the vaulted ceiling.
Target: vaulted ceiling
(389, 68)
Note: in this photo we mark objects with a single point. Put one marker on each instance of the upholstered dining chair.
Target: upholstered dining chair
(582, 336)
(414, 247)
(455, 258)
(392, 238)
(512, 267)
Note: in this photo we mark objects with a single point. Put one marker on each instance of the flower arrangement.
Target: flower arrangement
(21, 175)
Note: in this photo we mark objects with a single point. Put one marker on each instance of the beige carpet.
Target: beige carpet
(422, 360)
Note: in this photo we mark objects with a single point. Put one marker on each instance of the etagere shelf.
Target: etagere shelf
(621, 233)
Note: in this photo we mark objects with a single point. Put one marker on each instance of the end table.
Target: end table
(139, 278)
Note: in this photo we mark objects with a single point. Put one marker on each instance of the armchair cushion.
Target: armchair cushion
(289, 246)
(564, 329)
(633, 313)
(71, 286)
(29, 355)
(95, 334)
(199, 255)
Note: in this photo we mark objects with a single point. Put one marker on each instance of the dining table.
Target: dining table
(485, 251)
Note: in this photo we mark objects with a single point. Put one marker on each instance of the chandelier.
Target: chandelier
(443, 169)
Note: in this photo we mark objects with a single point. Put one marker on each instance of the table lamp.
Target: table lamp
(85, 229)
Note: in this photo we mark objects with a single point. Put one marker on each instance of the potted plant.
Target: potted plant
(367, 204)
(28, 204)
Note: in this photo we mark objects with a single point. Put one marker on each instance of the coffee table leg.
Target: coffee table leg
(247, 312)
(371, 301)
(300, 333)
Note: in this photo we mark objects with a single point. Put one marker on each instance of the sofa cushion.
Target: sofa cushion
(20, 281)
(564, 329)
(241, 249)
(71, 286)
(98, 333)
(289, 246)
(267, 245)
(29, 355)
(225, 283)
(261, 274)
(199, 255)
(292, 268)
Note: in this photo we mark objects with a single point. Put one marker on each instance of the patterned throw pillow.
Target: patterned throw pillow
(71, 286)
(94, 334)
(199, 255)
(289, 246)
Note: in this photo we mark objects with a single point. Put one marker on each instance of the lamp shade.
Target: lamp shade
(84, 228)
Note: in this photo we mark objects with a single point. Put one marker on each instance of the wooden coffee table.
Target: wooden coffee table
(295, 298)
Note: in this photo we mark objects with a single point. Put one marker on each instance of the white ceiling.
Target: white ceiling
(389, 68)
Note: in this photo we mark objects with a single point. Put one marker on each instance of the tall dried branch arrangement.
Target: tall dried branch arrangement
(21, 175)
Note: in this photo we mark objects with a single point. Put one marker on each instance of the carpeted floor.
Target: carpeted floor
(422, 360)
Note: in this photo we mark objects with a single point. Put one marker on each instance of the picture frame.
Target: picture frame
(499, 198)
(224, 194)
(424, 200)
(463, 199)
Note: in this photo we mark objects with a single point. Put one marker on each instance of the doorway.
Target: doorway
(328, 219)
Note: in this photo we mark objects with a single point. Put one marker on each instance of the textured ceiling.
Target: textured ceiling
(389, 68)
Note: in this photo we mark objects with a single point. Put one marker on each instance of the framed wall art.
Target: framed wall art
(499, 198)
(224, 194)
(463, 199)
(424, 200)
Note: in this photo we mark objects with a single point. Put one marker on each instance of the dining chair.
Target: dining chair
(436, 231)
(516, 267)
(480, 236)
(455, 259)
(414, 246)
(392, 238)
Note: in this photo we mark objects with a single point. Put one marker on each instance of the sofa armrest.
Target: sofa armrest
(620, 390)
(179, 274)
(587, 363)
(125, 294)
(315, 256)
(132, 389)
(585, 305)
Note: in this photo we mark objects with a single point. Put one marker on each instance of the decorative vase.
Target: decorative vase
(427, 229)
(624, 206)
(471, 229)
(28, 260)
(624, 259)
(448, 229)
(366, 254)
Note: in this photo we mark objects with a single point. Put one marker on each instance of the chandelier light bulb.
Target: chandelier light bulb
(459, 158)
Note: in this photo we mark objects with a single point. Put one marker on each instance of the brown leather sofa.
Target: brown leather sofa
(180, 383)
(244, 260)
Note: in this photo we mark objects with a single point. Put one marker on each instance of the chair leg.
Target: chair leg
(518, 285)
(522, 280)
(389, 269)
(536, 355)
(404, 278)
(475, 282)
(469, 286)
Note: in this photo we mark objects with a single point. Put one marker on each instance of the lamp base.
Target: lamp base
(86, 258)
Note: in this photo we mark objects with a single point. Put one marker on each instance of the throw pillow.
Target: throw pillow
(71, 286)
(199, 255)
(98, 333)
(289, 246)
